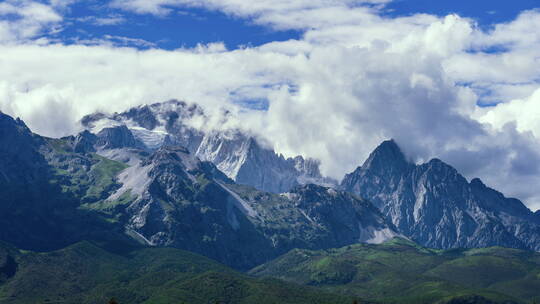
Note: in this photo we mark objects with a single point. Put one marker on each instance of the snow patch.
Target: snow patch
(104, 123)
(420, 200)
(371, 235)
(134, 178)
(332, 192)
(136, 235)
(381, 236)
(151, 139)
(127, 156)
(308, 217)
(290, 196)
(241, 204)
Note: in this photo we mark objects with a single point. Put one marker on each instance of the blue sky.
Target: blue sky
(184, 27)
(486, 13)
(187, 27)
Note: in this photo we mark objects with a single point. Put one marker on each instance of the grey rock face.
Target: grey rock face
(238, 155)
(339, 217)
(244, 160)
(183, 205)
(435, 206)
(143, 116)
(117, 137)
(180, 201)
(85, 142)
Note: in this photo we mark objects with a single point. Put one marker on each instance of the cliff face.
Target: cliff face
(437, 207)
(178, 200)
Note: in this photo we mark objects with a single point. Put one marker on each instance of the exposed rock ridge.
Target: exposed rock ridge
(437, 207)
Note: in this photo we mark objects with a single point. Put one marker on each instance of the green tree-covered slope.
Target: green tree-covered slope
(90, 273)
(401, 272)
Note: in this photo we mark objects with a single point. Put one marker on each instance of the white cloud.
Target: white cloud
(282, 14)
(62, 3)
(518, 34)
(103, 21)
(353, 80)
(509, 73)
(525, 113)
(23, 19)
(112, 79)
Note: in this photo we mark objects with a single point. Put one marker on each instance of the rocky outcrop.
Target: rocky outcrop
(84, 142)
(240, 156)
(116, 138)
(183, 202)
(437, 207)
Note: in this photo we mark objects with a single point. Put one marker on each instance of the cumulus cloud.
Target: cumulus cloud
(23, 19)
(354, 79)
(107, 78)
(502, 63)
(524, 113)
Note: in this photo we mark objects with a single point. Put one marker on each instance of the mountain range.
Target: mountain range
(239, 156)
(147, 177)
(429, 203)
(166, 197)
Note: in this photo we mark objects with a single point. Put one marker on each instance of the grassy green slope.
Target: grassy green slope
(402, 272)
(90, 273)
(88, 179)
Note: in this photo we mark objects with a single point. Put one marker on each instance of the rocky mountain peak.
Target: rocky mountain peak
(308, 166)
(386, 165)
(237, 154)
(89, 120)
(438, 164)
(311, 195)
(18, 146)
(438, 171)
(117, 137)
(309, 190)
(434, 205)
(174, 154)
(12, 127)
(143, 116)
(84, 142)
(179, 160)
(477, 183)
(387, 156)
